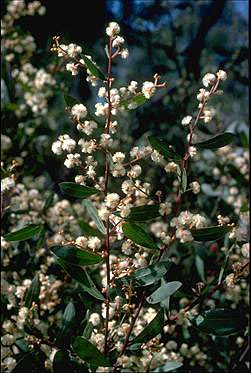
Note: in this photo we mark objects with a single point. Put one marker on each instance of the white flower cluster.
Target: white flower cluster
(184, 223)
(118, 41)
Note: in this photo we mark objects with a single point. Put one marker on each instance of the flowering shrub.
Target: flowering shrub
(108, 287)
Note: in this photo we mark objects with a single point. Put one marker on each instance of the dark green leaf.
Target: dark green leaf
(24, 234)
(67, 320)
(220, 321)
(151, 330)
(32, 293)
(135, 233)
(81, 276)
(77, 190)
(76, 256)
(48, 202)
(184, 180)
(163, 148)
(134, 102)
(148, 275)
(211, 233)
(200, 267)
(217, 141)
(93, 68)
(93, 213)
(168, 367)
(71, 101)
(41, 238)
(164, 292)
(88, 330)
(32, 361)
(143, 213)
(88, 230)
(89, 353)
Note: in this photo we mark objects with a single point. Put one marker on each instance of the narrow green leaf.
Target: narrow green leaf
(23, 234)
(82, 277)
(77, 190)
(144, 213)
(151, 330)
(88, 330)
(32, 293)
(168, 367)
(89, 353)
(88, 230)
(211, 233)
(71, 101)
(148, 275)
(93, 213)
(184, 180)
(48, 202)
(135, 233)
(67, 320)
(133, 102)
(200, 267)
(93, 68)
(163, 148)
(220, 321)
(76, 256)
(217, 141)
(61, 361)
(164, 292)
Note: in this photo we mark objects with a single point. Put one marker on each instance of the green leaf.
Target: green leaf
(32, 293)
(200, 267)
(24, 234)
(67, 320)
(135, 233)
(88, 230)
(93, 213)
(48, 202)
(70, 101)
(143, 213)
(77, 190)
(93, 68)
(41, 238)
(148, 275)
(89, 353)
(151, 330)
(211, 233)
(88, 330)
(82, 277)
(217, 141)
(134, 101)
(184, 180)
(220, 321)
(163, 148)
(76, 256)
(168, 367)
(164, 292)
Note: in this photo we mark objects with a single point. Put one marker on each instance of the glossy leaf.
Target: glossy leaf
(220, 321)
(75, 256)
(217, 141)
(77, 190)
(88, 230)
(93, 213)
(151, 330)
(168, 367)
(82, 277)
(93, 68)
(32, 293)
(48, 202)
(89, 353)
(164, 292)
(148, 275)
(211, 233)
(24, 234)
(71, 101)
(163, 148)
(137, 234)
(200, 267)
(67, 320)
(134, 102)
(144, 213)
